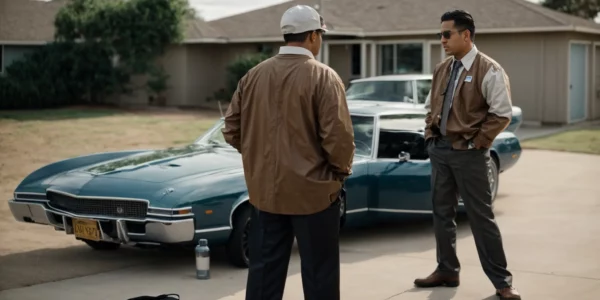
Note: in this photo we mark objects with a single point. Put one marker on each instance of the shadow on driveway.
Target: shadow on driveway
(408, 238)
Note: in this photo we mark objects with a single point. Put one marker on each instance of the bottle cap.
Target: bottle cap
(203, 242)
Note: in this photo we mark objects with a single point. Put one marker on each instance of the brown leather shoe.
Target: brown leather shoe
(438, 279)
(508, 293)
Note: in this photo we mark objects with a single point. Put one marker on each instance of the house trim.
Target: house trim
(596, 88)
(24, 43)
(362, 34)
(586, 83)
(2, 59)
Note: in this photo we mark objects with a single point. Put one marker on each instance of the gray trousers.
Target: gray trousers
(464, 172)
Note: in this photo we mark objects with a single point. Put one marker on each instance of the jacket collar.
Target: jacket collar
(469, 58)
(295, 50)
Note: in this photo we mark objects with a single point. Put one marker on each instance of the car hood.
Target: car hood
(168, 164)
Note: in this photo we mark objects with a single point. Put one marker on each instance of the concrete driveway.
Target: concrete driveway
(548, 209)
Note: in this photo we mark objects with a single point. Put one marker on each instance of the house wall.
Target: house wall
(206, 70)
(536, 63)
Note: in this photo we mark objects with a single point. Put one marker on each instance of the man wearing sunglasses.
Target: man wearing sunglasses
(290, 121)
(468, 106)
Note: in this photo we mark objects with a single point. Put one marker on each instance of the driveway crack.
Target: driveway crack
(392, 296)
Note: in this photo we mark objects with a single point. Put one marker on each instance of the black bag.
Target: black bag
(159, 297)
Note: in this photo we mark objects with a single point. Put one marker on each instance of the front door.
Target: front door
(577, 83)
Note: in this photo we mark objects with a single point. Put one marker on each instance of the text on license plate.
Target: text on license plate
(86, 229)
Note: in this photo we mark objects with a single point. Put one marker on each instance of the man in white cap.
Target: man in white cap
(289, 120)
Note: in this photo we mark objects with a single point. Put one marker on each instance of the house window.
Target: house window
(402, 58)
(1, 59)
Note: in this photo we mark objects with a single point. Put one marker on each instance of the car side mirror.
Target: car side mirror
(403, 156)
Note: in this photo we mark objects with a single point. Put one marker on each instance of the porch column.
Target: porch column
(373, 59)
(363, 59)
(319, 56)
(326, 53)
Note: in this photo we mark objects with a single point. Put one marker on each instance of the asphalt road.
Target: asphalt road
(548, 209)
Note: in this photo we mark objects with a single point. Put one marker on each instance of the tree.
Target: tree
(587, 9)
(99, 45)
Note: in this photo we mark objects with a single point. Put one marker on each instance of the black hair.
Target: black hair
(296, 37)
(462, 21)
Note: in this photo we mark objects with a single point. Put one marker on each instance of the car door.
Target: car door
(401, 174)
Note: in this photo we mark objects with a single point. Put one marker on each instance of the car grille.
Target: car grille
(99, 207)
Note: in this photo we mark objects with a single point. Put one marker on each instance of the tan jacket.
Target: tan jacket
(290, 121)
(482, 106)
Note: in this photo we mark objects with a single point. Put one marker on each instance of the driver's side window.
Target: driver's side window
(393, 142)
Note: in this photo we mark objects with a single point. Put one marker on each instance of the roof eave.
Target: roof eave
(490, 31)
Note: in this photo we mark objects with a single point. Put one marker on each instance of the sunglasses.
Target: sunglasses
(448, 33)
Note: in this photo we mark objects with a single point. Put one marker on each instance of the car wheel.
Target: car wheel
(237, 247)
(102, 246)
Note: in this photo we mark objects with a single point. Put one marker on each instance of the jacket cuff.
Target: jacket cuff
(481, 141)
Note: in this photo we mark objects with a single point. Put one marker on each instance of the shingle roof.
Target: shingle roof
(383, 17)
(33, 21)
(28, 20)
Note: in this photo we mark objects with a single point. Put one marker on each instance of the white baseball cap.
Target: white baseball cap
(301, 18)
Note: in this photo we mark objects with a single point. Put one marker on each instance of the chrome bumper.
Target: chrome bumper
(149, 230)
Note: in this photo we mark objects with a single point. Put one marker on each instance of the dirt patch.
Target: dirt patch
(30, 140)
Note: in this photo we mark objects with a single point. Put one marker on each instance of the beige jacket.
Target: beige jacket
(290, 121)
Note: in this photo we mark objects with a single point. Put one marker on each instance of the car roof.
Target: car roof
(399, 77)
(379, 109)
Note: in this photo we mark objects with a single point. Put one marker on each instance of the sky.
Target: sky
(216, 9)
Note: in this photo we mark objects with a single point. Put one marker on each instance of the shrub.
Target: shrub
(80, 65)
(235, 71)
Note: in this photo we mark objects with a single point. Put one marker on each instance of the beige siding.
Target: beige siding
(206, 72)
(340, 59)
(596, 86)
(435, 56)
(537, 65)
(175, 63)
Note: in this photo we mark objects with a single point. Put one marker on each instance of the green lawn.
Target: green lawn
(581, 140)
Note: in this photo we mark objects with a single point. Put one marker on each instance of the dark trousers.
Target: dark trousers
(464, 172)
(270, 240)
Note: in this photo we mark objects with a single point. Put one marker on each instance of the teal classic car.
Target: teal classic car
(177, 196)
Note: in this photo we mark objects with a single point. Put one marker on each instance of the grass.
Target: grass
(580, 141)
(32, 139)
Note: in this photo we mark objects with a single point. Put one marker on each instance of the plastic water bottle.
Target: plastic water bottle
(202, 260)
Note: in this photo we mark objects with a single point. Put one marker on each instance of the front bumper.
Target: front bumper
(149, 230)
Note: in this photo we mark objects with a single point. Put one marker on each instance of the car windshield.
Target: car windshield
(384, 90)
(363, 134)
(389, 90)
(215, 137)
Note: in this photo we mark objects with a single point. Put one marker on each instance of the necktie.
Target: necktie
(449, 96)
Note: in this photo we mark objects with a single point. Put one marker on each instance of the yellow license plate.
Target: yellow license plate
(86, 229)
